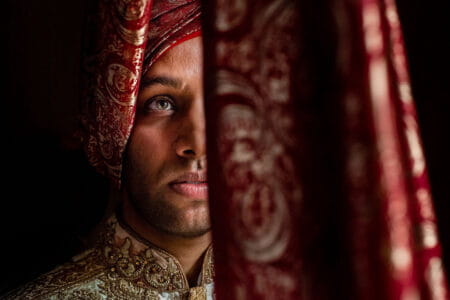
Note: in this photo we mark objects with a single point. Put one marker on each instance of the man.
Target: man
(157, 244)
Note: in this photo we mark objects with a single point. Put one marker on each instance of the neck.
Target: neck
(188, 251)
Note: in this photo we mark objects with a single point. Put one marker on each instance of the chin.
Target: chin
(194, 222)
(185, 228)
(175, 215)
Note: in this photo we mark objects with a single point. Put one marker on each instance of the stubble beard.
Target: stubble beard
(164, 217)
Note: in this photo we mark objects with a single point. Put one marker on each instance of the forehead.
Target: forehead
(185, 57)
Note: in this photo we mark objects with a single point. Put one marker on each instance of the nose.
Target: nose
(191, 140)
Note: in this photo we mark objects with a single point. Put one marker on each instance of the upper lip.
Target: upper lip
(191, 177)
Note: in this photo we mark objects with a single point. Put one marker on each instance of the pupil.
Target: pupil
(163, 104)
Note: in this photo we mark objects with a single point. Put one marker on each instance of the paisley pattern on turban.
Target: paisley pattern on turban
(131, 36)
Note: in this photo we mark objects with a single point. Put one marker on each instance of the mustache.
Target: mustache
(194, 170)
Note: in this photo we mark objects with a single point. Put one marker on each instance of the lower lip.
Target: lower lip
(191, 190)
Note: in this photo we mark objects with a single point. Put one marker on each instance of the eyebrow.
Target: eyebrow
(147, 82)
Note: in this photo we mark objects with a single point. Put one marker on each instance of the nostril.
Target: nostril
(188, 152)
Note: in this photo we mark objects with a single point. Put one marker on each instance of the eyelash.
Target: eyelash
(154, 101)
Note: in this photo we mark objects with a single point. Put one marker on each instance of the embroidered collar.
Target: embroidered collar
(128, 256)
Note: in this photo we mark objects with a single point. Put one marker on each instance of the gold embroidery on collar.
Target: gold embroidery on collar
(152, 268)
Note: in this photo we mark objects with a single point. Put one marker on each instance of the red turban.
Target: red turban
(132, 35)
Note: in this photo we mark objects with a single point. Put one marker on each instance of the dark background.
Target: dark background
(51, 197)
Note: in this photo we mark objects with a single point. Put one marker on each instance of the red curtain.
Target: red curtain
(318, 182)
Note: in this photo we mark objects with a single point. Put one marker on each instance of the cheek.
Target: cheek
(149, 146)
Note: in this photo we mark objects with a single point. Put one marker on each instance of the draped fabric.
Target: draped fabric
(318, 181)
(252, 148)
(115, 56)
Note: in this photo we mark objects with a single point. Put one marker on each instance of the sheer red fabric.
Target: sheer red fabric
(310, 110)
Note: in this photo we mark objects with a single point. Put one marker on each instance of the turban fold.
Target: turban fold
(130, 36)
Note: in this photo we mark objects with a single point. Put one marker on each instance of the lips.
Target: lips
(192, 185)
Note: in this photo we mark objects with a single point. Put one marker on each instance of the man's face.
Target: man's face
(165, 166)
